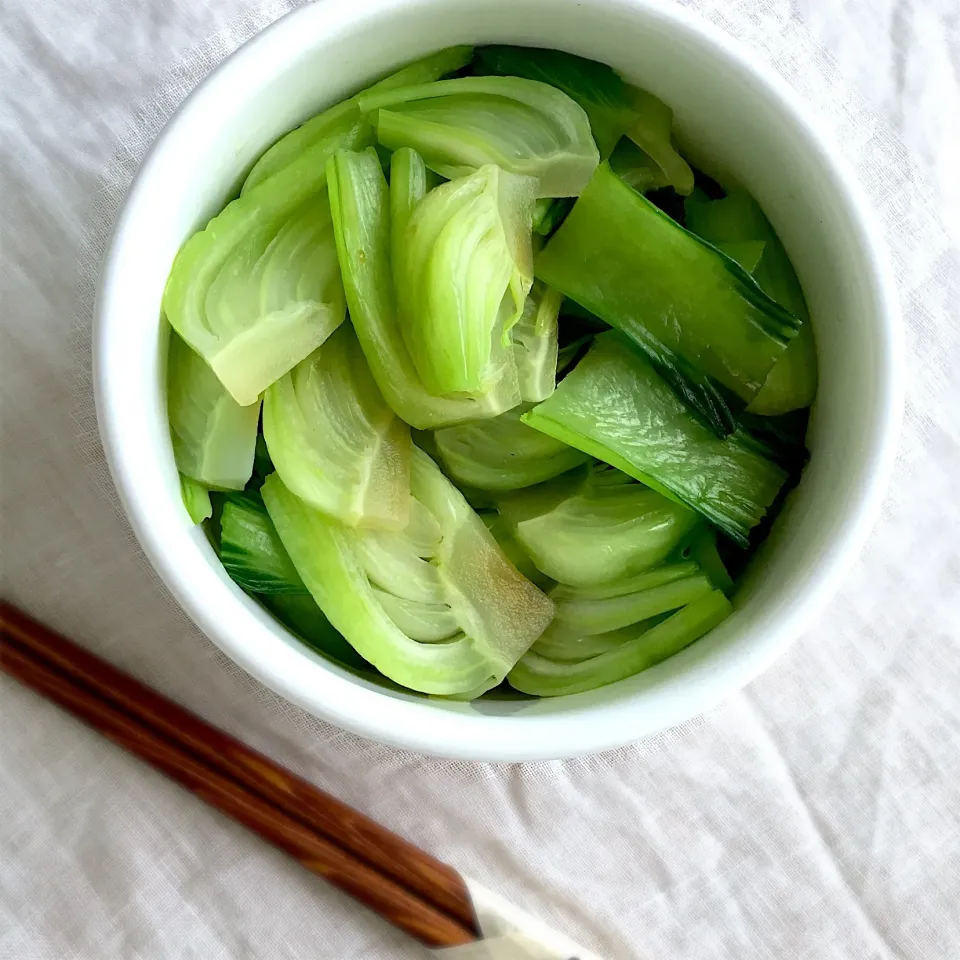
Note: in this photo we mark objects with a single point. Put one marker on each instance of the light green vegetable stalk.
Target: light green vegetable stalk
(636, 168)
(462, 268)
(652, 133)
(304, 152)
(524, 127)
(196, 498)
(513, 551)
(614, 406)
(503, 453)
(535, 347)
(613, 106)
(677, 297)
(736, 220)
(335, 442)
(469, 613)
(595, 525)
(543, 677)
(299, 613)
(251, 551)
(258, 289)
(701, 547)
(599, 89)
(588, 611)
(213, 436)
(360, 203)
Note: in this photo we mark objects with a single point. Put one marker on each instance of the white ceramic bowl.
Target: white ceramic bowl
(740, 115)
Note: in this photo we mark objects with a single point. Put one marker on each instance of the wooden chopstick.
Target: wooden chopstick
(413, 891)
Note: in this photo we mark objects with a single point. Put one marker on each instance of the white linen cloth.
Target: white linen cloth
(816, 816)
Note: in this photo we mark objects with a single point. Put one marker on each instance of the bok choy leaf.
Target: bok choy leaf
(524, 127)
(599, 89)
(360, 203)
(595, 525)
(613, 606)
(196, 498)
(443, 578)
(503, 453)
(251, 551)
(614, 406)
(462, 268)
(304, 152)
(258, 288)
(729, 223)
(613, 106)
(543, 677)
(677, 297)
(535, 343)
(333, 439)
(213, 436)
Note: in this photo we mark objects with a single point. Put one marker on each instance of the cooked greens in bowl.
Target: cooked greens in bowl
(479, 381)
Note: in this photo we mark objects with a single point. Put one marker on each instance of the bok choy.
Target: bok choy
(360, 201)
(258, 288)
(462, 273)
(614, 107)
(736, 225)
(522, 126)
(436, 607)
(334, 441)
(630, 652)
(535, 344)
(503, 453)
(614, 406)
(251, 551)
(594, 525)
(400, 413)
(304, 152)
(213, 436)
(627, 262)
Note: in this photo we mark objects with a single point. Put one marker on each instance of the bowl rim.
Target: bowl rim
(330, 693)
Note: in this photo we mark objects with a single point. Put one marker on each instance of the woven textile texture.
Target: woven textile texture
(816, 816)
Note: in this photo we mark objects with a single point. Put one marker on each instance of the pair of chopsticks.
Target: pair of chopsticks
(410, 889)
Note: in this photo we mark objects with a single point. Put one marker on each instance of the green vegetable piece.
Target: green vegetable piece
(599, 89)
(651, 132)
(299, 613)
(587, 616)
(251, 551)
(443, 571)
(613, 107)
(637, 168)
(503, 453)
(524, 127)
(548, 214)
(513, 551)
(702, 549)
(462, 269)
(258, 288)
(196, 498)
(614, 406)
(335, 442)
(736, 219)
(305, 151)
(213, 436)
(748, 254)
(634, 267)
(360, 203)
(535, 349)
(571, 647)
(541, 677)
(595, 525)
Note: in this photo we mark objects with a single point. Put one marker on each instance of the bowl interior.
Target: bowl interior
(738, 119)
